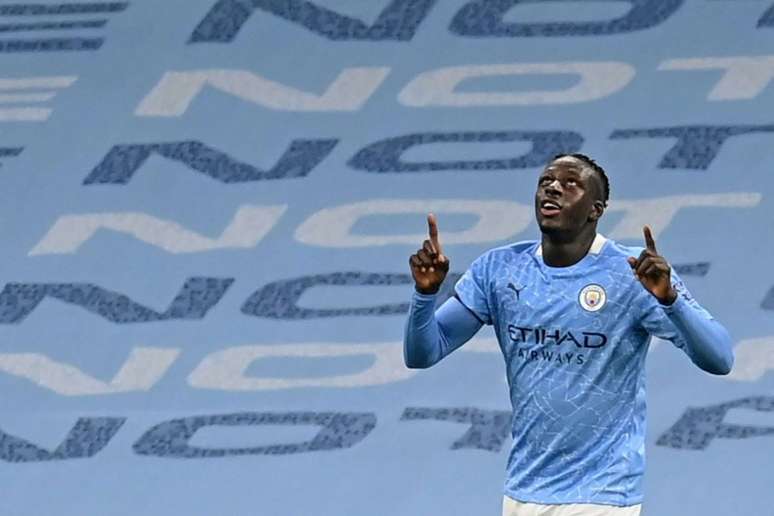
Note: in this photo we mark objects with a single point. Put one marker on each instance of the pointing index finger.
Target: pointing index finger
(432, 225)
(650, 244)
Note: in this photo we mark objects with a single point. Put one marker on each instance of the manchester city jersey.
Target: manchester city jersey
(574, 341)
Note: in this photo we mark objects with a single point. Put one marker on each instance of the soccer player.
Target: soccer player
(573, 314)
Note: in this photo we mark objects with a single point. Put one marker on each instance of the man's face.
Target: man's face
(567, 197)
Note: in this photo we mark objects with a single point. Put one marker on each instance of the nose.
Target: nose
(553, 188)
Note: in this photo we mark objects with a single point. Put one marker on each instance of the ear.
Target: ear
(597, 209)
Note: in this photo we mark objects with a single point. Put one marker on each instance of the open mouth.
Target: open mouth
(549, 208)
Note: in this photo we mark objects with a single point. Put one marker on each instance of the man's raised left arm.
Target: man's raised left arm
(702, 337)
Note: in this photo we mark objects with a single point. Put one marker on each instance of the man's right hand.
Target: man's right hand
(429, 265)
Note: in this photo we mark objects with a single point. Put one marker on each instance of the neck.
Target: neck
(563, 252)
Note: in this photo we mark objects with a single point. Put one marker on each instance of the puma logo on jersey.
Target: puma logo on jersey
(517, 290)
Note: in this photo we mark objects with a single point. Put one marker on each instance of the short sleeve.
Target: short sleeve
(473, 292)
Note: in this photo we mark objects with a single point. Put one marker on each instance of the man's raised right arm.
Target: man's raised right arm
(432, 334)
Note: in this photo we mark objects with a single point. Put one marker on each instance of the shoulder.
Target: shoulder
(503, 256)
(615, 249)
(509, 252)
(613, 258)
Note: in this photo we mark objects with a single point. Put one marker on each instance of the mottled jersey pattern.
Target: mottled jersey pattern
(574, 341)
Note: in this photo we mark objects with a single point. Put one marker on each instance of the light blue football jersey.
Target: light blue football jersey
(574, 341)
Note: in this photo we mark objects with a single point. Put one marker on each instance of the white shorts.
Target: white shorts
(513, 508)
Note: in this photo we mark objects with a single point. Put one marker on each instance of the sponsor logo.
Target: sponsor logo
(516, 290)
(543, 336)
(540, 344)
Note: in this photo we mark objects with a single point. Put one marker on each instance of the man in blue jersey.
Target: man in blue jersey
(573, 314)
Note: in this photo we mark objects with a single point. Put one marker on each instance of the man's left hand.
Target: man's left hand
(653, 271)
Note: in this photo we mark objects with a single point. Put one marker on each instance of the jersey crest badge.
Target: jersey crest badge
(592, 297)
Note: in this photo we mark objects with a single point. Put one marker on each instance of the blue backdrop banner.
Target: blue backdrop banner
(207, 209)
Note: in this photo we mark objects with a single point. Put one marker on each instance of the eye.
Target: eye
(545, 180)
(572, 182)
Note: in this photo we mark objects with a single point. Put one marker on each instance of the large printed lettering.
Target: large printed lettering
(66, 9)
(276, 300)
(338, 430)
(697, 145)
(753, 358)
(385, 155)
(248, 227)
(279, 299)
(47, 11)
(438, 87)
(767, 20)
(488, 430)
(659, 212)
(697, 427)
(498, 220)
(123, 161)
(141, 370)
(86, 438)
(16, 91)
(173, 95)
(398, 21)
(744, 77)
(692, 269)
(229, 369)
(196, 297)
(485, 18)
(226, 370)
(332, 227)
(10, 152)
(768, 300)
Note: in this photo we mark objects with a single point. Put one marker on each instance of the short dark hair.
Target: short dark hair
(595, 167)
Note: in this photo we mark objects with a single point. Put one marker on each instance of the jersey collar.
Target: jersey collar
(596, 245)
